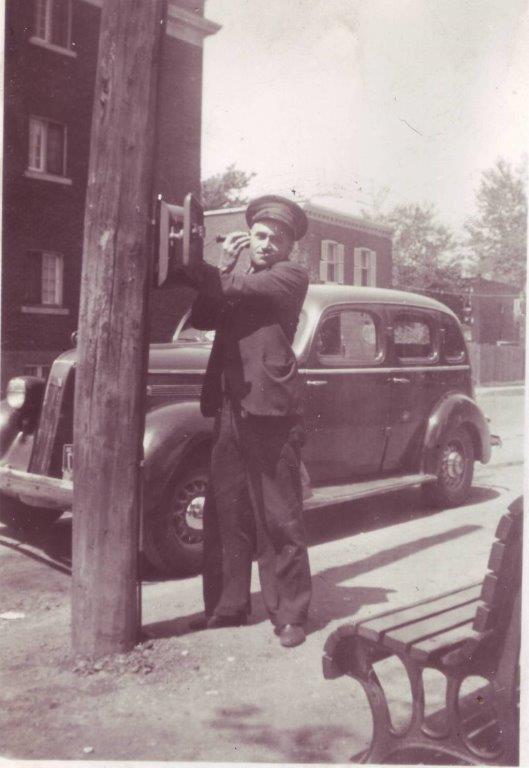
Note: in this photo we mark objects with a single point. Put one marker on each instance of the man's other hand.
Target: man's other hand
(232, 248)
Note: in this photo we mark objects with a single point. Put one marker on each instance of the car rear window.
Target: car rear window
(413, 338)
(348, 337)
(454, 350)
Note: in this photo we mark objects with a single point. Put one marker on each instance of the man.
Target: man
(252, 387)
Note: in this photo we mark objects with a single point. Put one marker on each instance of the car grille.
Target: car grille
(55, 425)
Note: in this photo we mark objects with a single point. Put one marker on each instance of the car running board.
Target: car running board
(327, 495)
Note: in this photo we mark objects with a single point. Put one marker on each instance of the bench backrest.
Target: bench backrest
(502, 583)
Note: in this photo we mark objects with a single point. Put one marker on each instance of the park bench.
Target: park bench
(471, 631)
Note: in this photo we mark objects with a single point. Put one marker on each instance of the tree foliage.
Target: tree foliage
(422, 248)
(497, 235)
(225, 190)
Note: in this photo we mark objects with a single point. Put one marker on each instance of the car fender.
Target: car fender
(453, 410)
(172, 433)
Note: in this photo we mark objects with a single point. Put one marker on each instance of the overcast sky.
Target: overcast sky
(347, 97)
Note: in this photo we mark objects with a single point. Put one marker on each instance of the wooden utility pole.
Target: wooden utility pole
(113, 318)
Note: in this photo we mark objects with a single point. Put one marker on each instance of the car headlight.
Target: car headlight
(17, 393)
(25, 394)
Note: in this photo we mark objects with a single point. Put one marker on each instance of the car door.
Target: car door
(347, 397)
(417, 381)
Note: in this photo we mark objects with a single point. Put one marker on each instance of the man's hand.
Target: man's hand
(232, 248)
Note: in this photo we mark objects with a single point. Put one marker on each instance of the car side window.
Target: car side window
(413, 338)
(346, 338)
(454, 350)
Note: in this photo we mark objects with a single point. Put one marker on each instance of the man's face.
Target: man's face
(270, 241)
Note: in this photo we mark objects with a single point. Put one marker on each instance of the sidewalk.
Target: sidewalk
(234, 694)
(517, 388)
(504, 406)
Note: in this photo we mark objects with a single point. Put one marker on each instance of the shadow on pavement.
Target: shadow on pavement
(54, 541)
(310, 744)
(333, 523)
(331, 600)
(376, 512)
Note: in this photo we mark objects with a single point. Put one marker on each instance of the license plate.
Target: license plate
(67, 462)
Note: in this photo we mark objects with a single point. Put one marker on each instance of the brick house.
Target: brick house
(50, 63)
(338, 247)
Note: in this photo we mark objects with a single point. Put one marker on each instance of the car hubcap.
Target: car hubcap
(188, 512)
(453, 464)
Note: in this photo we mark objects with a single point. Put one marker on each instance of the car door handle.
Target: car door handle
(399, 380)
(316, 382)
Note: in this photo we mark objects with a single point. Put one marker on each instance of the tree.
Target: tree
(422, 248)
(223, 190)
(497, 235)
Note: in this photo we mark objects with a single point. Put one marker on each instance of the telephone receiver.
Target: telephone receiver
(179, 236)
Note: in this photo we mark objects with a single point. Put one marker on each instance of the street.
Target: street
(235, 694)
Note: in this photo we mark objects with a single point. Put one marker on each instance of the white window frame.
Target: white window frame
(42, 25)
(361, 256)
(332, 261)
(38, 158)
(54, 262)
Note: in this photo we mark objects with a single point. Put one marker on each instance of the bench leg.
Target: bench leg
(385, 739)
(356, 659)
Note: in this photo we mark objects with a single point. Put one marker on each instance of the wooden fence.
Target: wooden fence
(497, 364)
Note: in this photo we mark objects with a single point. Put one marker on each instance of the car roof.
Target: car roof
(325, 295)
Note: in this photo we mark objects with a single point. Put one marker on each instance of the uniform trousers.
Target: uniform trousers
(254, 505)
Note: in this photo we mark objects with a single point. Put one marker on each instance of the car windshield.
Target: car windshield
(191, 334)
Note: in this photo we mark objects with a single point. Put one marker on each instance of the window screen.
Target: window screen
(348, 338)
(413, 338)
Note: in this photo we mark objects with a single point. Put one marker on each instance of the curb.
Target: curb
(504, 389)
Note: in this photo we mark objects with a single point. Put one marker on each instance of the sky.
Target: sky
(375, 102)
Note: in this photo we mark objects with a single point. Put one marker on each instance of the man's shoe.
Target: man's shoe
(291, 635)
(218, 622)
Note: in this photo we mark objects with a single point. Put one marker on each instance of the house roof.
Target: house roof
(323, 212)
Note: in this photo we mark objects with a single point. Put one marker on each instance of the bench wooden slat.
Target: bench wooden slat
(497, 557)
(506, 527)
(444, 642)
(402, 638)
(486, 617)
(489, 587)
(375, 628)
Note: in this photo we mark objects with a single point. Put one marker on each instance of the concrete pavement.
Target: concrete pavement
(235, 694)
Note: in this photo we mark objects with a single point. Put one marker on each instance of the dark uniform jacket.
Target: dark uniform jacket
(255, 318)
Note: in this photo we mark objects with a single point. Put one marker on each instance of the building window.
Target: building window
(331, 263)
(365, 267)
(44, 279)
(53, 22)
(47, 146)
(52, 278)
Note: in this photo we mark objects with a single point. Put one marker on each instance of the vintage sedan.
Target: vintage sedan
(389, 403)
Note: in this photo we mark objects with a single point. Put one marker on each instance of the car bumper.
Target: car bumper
(36, 490)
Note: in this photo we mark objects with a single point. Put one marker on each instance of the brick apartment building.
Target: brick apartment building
(50, 63)
(338, 247)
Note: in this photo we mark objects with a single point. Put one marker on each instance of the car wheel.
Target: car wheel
(173, 533)
(22, 517)
(455, 470)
